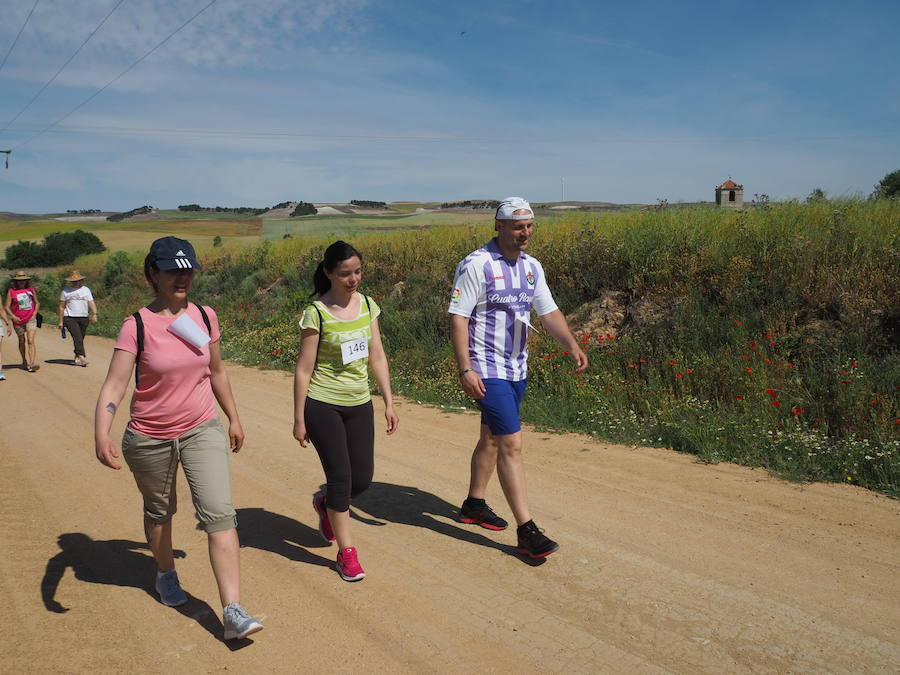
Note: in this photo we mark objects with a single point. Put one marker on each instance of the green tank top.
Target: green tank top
(334, 380)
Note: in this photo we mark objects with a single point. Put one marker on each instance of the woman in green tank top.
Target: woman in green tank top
(339, 342)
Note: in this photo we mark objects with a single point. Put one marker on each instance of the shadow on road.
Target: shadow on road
(279, 534)
(409, 505)
(119, 562)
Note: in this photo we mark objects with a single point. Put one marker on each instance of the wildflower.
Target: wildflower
(771, 392)
(752, 343)
(739, 323)
(842, 371)
(738, 398)
(276, 352)
(745, 357)
(678, 376)
(853, 364)
(749, 370)
(727, 352)
(767, 360)
(773, 344)
(797, 411)
(769, 335)
(689, 370)
(272, 311)
(610, 336)
(673, 362)
(547, 358)
(875, 402)
(845, 381)
(776, 404)
(789, 364)
(642, 360)
(565, 353)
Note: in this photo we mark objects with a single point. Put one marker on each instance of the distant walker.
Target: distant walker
(730, 195)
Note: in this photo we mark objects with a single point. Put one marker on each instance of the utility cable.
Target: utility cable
(62, 68)
(12, 46)
(116, 78)
(250, 134)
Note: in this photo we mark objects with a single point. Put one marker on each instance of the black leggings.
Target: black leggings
(77, 327)
(344, 437)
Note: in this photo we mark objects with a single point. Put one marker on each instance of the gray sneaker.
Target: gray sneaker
(239, 624)
(169, 589)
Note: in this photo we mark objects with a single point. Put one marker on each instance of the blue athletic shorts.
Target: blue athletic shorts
(500, 405)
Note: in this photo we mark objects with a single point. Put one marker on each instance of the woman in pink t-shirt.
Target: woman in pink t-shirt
(22, 302)
(172, 346)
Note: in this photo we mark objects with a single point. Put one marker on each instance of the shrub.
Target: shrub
(59, 248)
(304, 209)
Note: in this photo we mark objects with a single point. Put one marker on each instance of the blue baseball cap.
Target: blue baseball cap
(172, 253)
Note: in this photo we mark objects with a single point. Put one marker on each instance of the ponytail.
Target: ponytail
(334, 255)
(321, 283)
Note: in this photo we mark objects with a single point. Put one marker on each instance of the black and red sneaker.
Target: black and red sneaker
(481, 514)
(533, 542)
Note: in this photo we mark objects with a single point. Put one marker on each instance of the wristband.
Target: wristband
(464, 371)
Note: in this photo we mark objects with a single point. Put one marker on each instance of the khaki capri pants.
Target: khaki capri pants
(203, 454)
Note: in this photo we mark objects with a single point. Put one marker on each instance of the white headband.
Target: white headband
(509, 206)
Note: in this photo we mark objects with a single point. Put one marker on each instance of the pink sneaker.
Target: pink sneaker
(324, 524)
(348, 565)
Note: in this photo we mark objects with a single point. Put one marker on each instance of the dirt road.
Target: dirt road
(666, 565)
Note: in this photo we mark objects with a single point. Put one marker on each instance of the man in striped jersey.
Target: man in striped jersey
(494, 291)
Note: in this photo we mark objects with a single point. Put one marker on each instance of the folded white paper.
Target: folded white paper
(188, 330)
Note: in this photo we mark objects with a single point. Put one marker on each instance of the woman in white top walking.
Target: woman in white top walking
(74, 302)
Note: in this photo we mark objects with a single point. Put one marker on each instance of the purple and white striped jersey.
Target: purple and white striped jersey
(497, 296)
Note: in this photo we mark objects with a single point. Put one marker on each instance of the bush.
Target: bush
(304, 209)
(889, 187)
(119, 270)
(59, 248)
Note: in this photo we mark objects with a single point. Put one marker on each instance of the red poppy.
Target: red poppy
(276, 352)
(771, 392)
(642, 360)
(797, 411)
(767, 360)
(738, 398)
(842, 371)
(547, 358)
(673, 362)
(853, 364)
(773, 344)
(769, 335)
(727, 352)
(565, 353)
(752, 343)
(749, 370)
(788, 364)
(610, 336)
(845, 381)
(776, 404)
(739, 323)
(678, 376)
(745, 357)
(689, 370)
(875, 402)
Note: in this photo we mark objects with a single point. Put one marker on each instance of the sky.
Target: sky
(255, 102)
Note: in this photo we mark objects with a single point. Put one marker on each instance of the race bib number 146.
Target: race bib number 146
(355, 350)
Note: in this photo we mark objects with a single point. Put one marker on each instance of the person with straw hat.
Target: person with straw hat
(22, 302)
(74, 302)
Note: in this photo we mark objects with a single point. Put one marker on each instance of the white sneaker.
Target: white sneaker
(238, 624)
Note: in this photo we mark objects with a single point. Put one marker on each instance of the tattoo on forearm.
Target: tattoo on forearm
(111, 407)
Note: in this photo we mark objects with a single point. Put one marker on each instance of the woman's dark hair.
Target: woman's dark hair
(150, 264)
(335, 254)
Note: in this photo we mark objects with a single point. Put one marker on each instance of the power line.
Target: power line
(251, 134)
(117, 77)
(63, 67)
(12, 46)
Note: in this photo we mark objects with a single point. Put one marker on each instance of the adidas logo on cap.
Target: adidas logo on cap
(180, 252)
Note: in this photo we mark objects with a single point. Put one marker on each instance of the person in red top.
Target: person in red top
(23, 304)
(172, 346)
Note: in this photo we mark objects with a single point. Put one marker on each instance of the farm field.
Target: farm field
(346, 226)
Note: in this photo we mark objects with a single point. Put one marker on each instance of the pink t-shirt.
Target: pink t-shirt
(174, 393)
(23, 304)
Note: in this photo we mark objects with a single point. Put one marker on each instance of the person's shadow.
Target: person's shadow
(119, 562)
(273, 532)
(409, 505)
